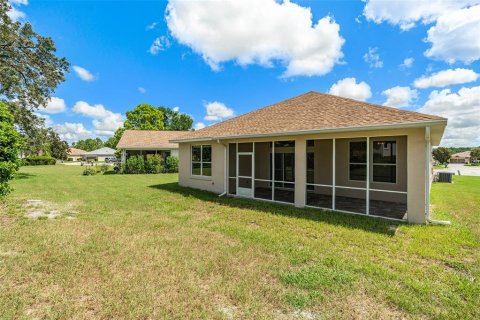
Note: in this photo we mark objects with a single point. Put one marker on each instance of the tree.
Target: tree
(475, 154)
(29, 69)
(113, 141)
(145, 117)
(57, 147)
(88, 144)
(174, 120)
(10, 142)
(442, 155)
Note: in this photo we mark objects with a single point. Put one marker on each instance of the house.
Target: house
(144, 142)
(321, 151)
(75, 154)
(99, 154)
(461, 157)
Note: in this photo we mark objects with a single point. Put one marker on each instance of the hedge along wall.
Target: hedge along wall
(39, 161)
(151, 164)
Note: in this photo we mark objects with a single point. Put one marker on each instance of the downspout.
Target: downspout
(224, 168)
(428, 158)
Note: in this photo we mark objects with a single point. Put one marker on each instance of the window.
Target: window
(385, 161)
(358, 160)
(202, 160)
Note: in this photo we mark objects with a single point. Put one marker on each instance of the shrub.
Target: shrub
(171, 164)
(104, 168)
(89, 171)
(135, 165)
(153, 164)
(10, 142)
(39, 160)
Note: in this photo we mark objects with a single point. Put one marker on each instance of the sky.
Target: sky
(217, 59)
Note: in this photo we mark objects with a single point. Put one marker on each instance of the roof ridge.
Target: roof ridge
(375, 105)
(256, 110)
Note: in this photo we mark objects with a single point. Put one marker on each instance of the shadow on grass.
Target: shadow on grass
(370, 224)
(23, 175)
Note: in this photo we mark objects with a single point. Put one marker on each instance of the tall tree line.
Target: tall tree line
(29, 73)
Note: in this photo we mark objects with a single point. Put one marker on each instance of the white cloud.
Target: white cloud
(407, 63)
(373, 58)
(72, 132)
(199, 125)
(446, 77)
(83, 73)
(142, 90)
(462, 109)
(151, 26)
(257, 32)
(159, 44)
(406, 13)
(104, 121)
(48, 121)
(14, 13)
(399, 97)
(349, 88)
(176, 109)
(54, 105)
(455, 37)
(217, 111)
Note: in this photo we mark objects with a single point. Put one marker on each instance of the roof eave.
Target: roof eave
(326, 130)
(146, 148)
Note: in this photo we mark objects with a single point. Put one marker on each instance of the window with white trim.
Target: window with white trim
(202, 160)
(384, 161)
(358, 160)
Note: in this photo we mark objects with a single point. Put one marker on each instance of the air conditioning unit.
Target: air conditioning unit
(445, 177)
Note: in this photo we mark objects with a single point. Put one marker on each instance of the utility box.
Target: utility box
(445, 177)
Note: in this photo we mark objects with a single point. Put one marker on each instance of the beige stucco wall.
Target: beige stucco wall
(411, 151)
(215, 183)
(74, 158)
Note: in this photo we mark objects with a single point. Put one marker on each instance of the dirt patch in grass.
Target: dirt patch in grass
(40, 209)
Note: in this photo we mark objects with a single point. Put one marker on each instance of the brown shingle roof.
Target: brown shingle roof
(465, 154)
(149, 139)
(310, 111)
(76, 152)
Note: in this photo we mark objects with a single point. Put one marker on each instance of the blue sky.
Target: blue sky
(214, 59)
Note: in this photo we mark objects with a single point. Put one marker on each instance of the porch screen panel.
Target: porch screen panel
(284, 171)
(351, 200)
(351, 175)
(319, 189)
(388, 204)
(232, 168)
(263, 170)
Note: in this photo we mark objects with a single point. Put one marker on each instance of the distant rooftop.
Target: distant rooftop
(105, 151)
(76, 152)
(149, 139)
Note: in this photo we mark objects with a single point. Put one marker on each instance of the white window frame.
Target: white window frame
(201, 162)
(386, 164)
(358, 163)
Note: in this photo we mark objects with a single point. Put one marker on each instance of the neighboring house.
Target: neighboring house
(99, 154)
(75, 154)
(144, 142)
(322, 151)
(461, 157)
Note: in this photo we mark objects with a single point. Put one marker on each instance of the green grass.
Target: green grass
(143, 247)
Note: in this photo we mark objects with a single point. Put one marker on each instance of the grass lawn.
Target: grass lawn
(140, 246)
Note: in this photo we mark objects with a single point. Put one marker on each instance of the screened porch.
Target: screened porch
(336, 172)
